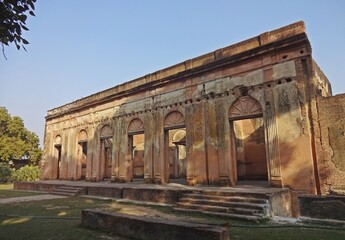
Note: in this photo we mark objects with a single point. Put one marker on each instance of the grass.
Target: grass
(6, 191)
(6, 186)
(28, 227)
(25, 227)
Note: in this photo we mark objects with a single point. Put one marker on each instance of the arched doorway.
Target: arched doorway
(175, 147)
(57, 155)
(82, 153)
(136, 148)
(248, 139)
(106, 147)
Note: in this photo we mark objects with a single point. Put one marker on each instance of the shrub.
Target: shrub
(27, 174)
(6, 173)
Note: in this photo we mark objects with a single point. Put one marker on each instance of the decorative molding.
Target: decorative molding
(174, 118)
(136, 125)
(245, 106)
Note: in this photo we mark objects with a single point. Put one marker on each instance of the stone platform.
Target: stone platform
(144, 228)
(277, 200)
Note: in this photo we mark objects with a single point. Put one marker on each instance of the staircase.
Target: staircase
(68, 190)
(237, 205)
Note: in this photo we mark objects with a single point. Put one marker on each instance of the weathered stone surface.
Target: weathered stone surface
(104, 191)
(330, 142)
(145, 228)
(151, 195)
(329, 207)
(284, 70)
(25, 186)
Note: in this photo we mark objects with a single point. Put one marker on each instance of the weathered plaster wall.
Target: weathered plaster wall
(330, 147)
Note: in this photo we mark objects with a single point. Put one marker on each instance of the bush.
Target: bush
(27, 174)
(6, 173)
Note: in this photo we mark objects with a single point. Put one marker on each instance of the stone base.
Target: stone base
(104, 192)
(144, 228)
(151, 195)
(322, 207)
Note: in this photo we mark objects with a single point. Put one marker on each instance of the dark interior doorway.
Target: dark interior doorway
(58, 154)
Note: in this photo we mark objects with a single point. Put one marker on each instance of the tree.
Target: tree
(16, 142)
(13, 16)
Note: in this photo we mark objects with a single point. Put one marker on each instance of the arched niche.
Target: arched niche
(57, 140)
(245, 107)
(82, 136)
(174, 119)
(136, 126)
(106, 132)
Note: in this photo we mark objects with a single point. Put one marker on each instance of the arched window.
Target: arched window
(174, 119)
(245, 106)
(135, 126)
(57, 140)
(106, 132)
(82, 136)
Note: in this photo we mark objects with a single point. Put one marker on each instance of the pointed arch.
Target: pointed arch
(245, 106)
(136, 125)
(174, 119)
(106, 132)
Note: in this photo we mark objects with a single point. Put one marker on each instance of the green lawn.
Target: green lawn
(29, 227)
(6, 191)
(22, 224)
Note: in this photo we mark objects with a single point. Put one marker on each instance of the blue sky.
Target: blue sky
(80, 47)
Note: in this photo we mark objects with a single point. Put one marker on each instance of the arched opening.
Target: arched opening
(136, 148)
(175, 147)
(57, 155)
(82, 153)
(106, 151)
(248, 139)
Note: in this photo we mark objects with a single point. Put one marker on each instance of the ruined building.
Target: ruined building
(258, 110)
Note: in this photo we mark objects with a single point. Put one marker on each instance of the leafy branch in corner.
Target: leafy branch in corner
(13, 16)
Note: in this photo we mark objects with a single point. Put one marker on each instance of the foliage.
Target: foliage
(27, 174)
(16, 142)
(13, 16)
(6, 173)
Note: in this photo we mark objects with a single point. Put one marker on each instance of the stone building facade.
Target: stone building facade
(257, 110)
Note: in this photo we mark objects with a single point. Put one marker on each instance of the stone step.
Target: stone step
(202, 207)
(226, 198)
(63, 193)
(206, 202)
(254, 218)
(67, 191)
(232, 210)
(74, 190)
(232, 193)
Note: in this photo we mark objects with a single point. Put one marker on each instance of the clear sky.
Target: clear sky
(80, 47)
